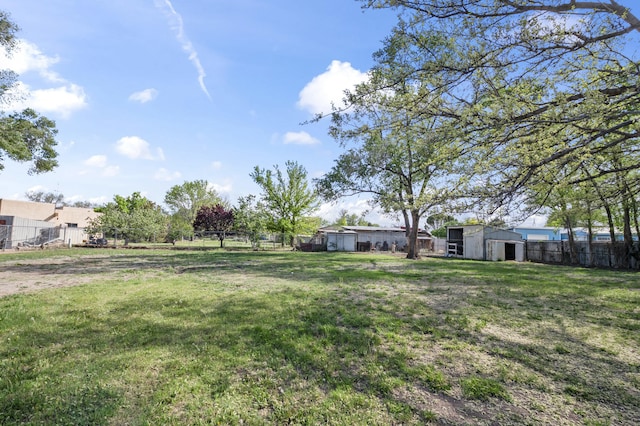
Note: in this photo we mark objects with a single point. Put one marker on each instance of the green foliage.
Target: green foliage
(540, 101)
(24, 136)
(179, 228)
(286, 197)
(346, 219)
(251, 219)
(8, 30)
(400, 151)
(184, 201)
(134, 218)
(28, 136)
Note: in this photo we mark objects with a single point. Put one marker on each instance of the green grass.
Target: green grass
(194, 337)
(483, 389)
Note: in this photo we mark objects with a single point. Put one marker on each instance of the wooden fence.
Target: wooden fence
(596, 254)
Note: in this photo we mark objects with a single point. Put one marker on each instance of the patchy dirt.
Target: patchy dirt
(29, 275)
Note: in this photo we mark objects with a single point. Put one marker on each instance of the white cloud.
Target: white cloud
(144, 96)
(63, 100)
(99, 162)
(225, 187)
(177, 25)
(136, 148)
(99, 200)
(299, 138)
(216, 165)
(96, 161)
(165, 175)
(327, 88)
(37, 188)
(27, 57)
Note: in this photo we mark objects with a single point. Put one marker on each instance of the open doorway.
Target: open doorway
(509, 251)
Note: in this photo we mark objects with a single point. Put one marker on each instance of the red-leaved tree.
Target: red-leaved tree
(217, 219)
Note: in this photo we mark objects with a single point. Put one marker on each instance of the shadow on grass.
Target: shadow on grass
(237, 347)
(336, 351)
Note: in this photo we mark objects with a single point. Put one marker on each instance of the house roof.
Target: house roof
(338, 231)
(422, 232)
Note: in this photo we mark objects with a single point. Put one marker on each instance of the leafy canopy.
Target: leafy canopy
(134, 218)
(287, 197)
(25, 136)
(533, 87)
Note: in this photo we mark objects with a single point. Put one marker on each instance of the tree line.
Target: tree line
(517, 107)
(194, 207)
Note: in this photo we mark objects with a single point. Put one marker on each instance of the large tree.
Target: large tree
(25, 136)
(532, 85)
(250, 218)
(134, 218)
(287, 198)
(400, 151)
(217, 219)
(184, 201)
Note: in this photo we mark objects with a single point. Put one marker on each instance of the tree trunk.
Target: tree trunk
(412, 239)
(572, 244)
(407, 223)
(590, 237)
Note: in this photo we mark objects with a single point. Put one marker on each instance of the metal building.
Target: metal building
(481, 242)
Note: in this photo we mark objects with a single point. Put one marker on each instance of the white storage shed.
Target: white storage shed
(481, 242)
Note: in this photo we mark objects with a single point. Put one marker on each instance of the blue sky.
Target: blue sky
(148, 94)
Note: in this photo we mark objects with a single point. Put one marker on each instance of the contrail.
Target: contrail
(177, 25)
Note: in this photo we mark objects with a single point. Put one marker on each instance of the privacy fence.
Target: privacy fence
(595, 254)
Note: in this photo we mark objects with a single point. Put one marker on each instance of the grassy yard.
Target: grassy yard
(178, 337)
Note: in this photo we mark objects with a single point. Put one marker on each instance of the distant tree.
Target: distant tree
(184, 201)
(216, 219)
(309, 225)
(441, 232)
(24, 136)
(46, 197)
(439, 220)
(58, 199)
(179, 229)
(287, 198)
(134, 218)
(84, 204)
(351, 219)
(250, 218)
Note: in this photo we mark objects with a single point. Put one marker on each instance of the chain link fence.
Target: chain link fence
(25, 237)
(17, 236)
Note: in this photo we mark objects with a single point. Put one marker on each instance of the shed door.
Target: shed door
(509, 251)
